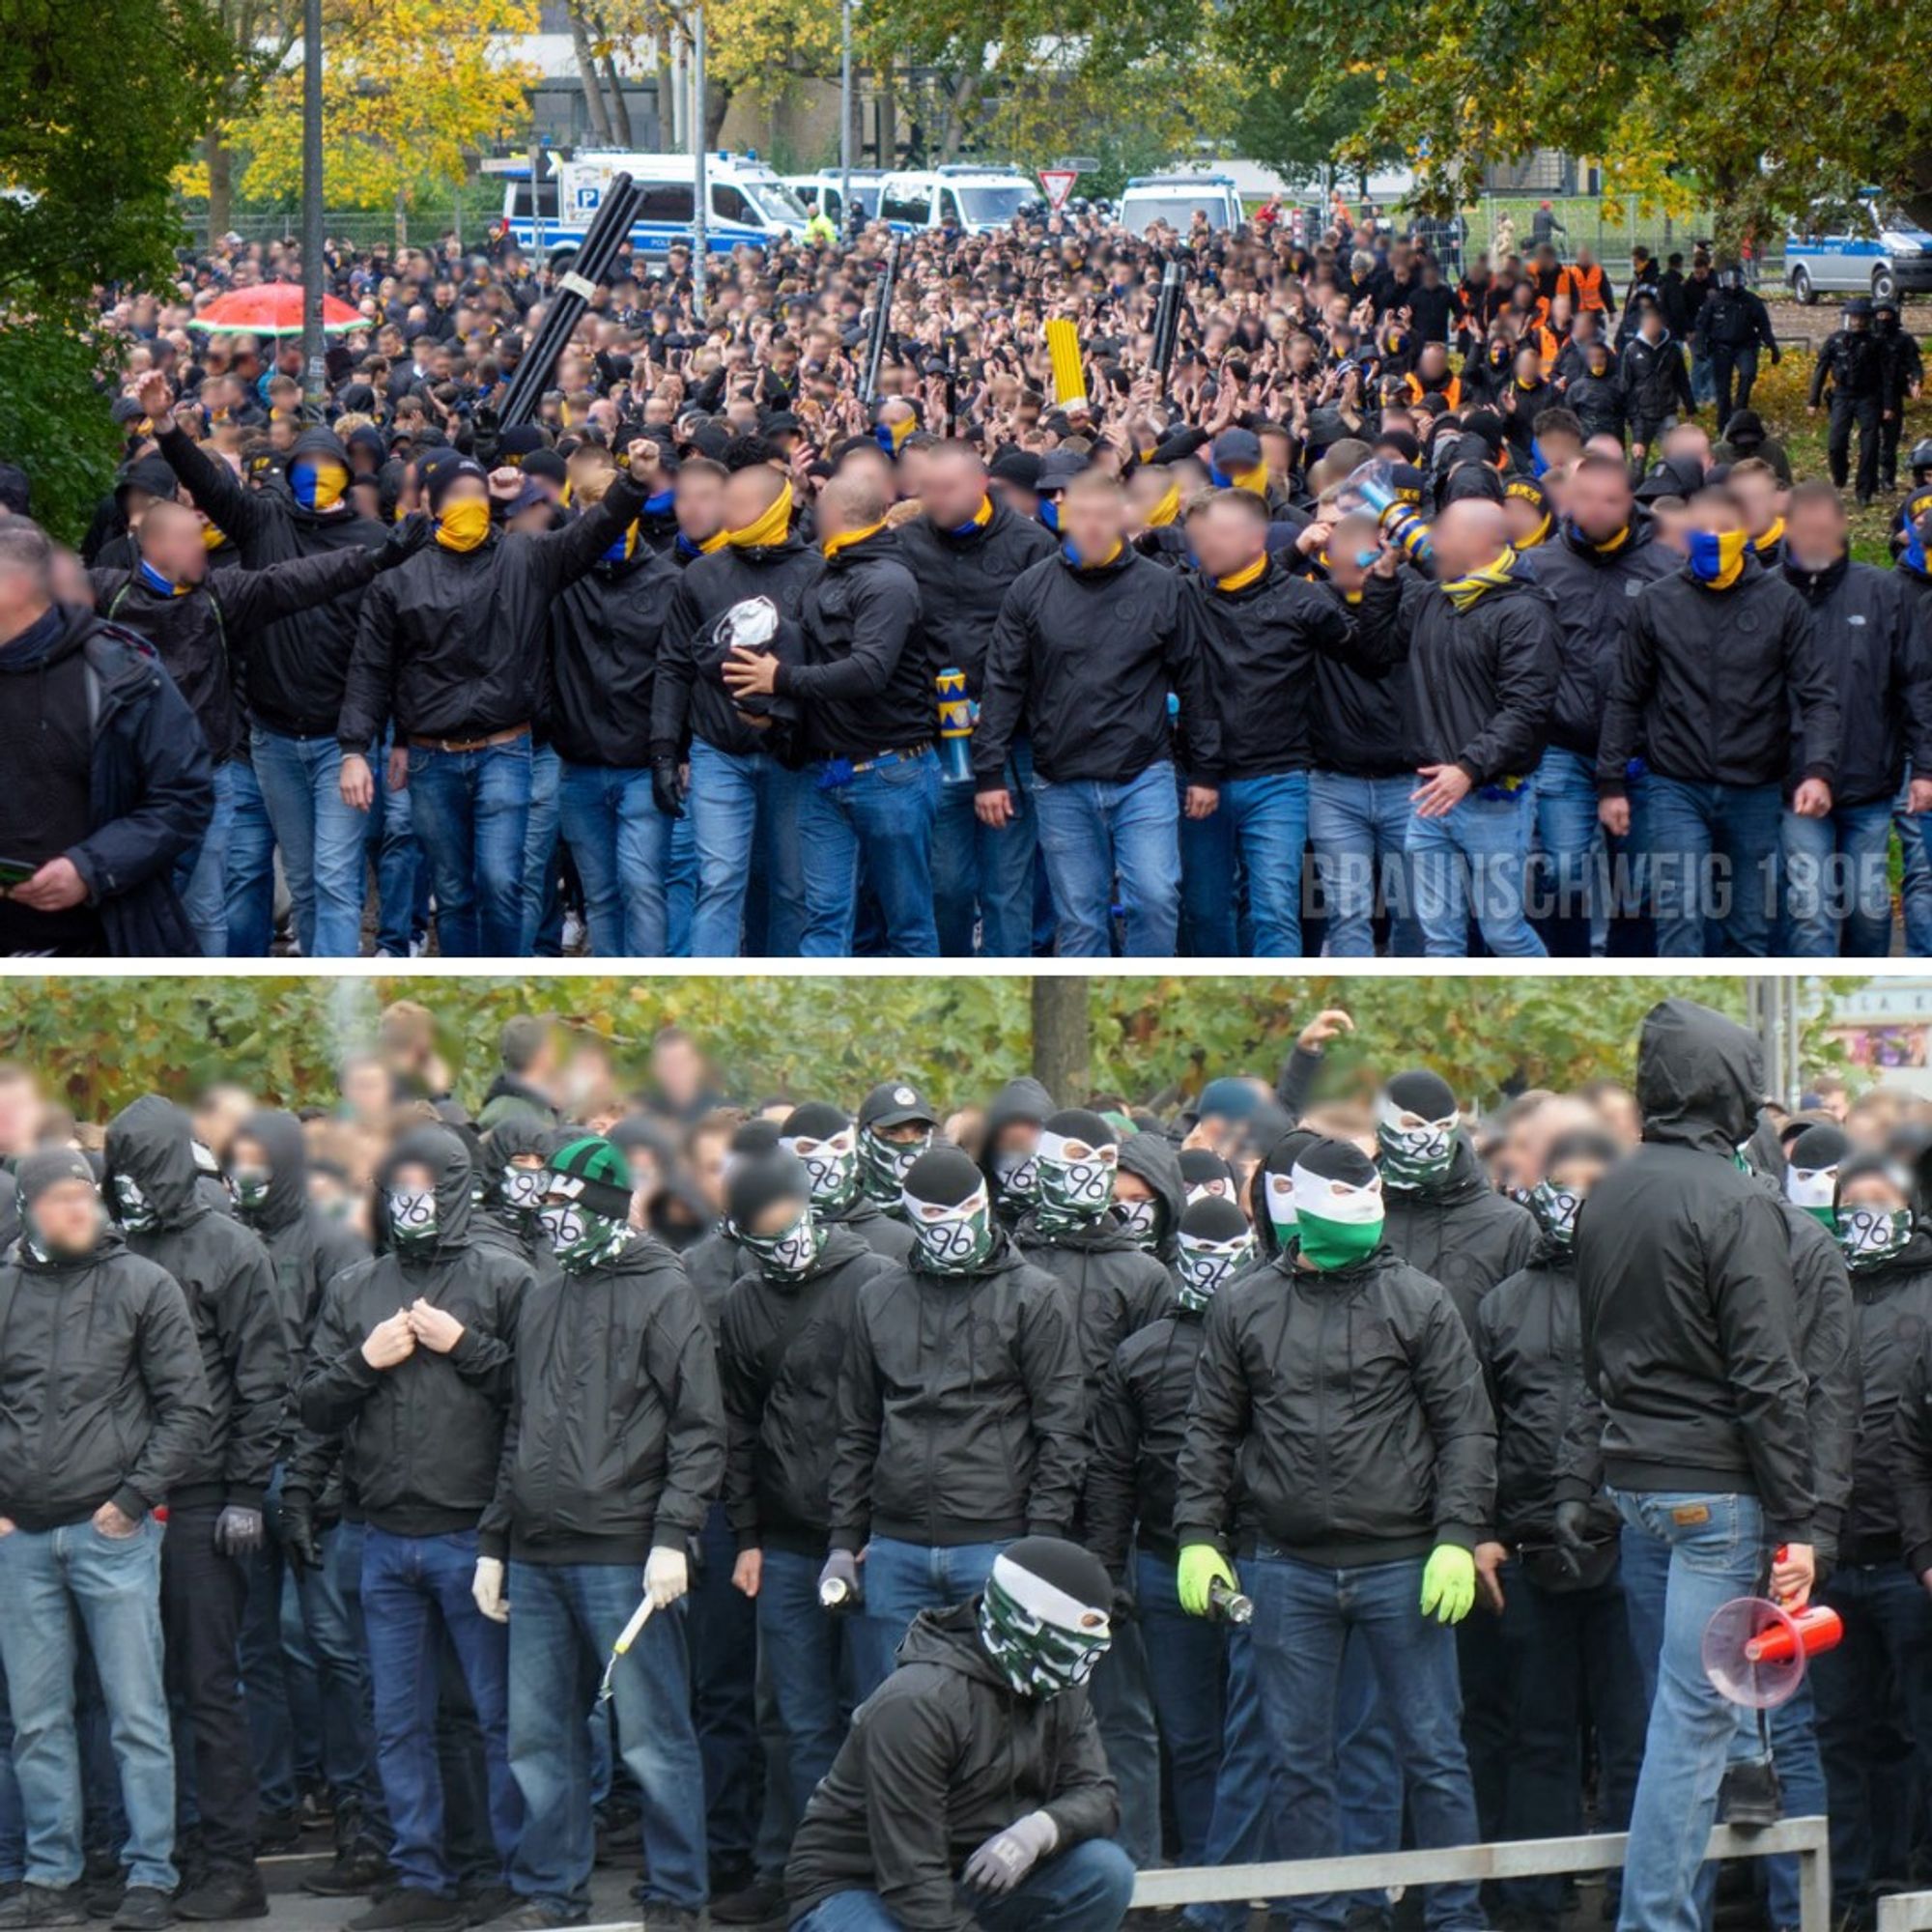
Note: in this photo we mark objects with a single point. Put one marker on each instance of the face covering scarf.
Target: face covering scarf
(832, 1166)
(1205, 1268)
(463, 525)
(318, 486)
(1717, 557)
(523, 1189)
(132, 1206)
(773, 528)
(1464, 592)
(883, 1164)
(790, 1253)
(412, 1218)
(579, 1238)
(1813, 1189)
(250, 1187)
(1076, 1182)
(1019, 1175)
(1137, 1219)
(1869, 1236)
(1336, 1225)
(1278, 1195)
(1556, 1209)
(951, 1240)
(1414, 1151)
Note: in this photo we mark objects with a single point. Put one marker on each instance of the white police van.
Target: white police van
(1869, 249)
(747, 202)
(1176, 200)
(974, 199)
(826, 189)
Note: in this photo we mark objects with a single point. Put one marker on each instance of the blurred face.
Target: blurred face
(707, 1167)
(1226, 539)
(171, 541)
(1758, 495)
(952, 491)
(1094, 523)
(68, 1217)
(1814, 534)
(19, 1114)
(366, 1089)
(700, 506)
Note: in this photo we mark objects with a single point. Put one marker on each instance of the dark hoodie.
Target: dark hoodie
(865, 1218)
(1021, 1099)
(421, 1441)
(241, 1324)
(306, 1248)
(961, 1413)
(295, 667)
(941, 1758)
(9, 1215)
(1892, 1303)
(1690, 1324)
(780, 1350)
(1461, 1232)
(101, 1394)
(515, 1231)
(1153, 1158)
(616, 1441)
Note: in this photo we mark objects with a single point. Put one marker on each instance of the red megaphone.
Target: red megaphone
(1754, 1651)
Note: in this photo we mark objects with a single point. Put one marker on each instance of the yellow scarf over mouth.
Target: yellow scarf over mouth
(1464, 591)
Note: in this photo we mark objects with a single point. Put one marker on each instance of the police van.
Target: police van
(977, 200)
(1176, 200)
(826, 189)
(745, 202)
(1869, 249)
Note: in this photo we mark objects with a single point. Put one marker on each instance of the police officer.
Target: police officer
(1731, 328)
(1904, 375)
(1853, 362)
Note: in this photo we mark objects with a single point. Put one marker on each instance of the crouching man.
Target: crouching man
(973, 1790)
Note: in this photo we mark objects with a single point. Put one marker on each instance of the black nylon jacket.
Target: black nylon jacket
(781, 1346)
(1461, 1233)
(1110, 1285)
(961, 1413)
(241, 1327)
(1138, 1423)
(962, 580)
(1893, 1305)
(605, 633)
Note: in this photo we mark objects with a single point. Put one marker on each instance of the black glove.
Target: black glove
(298, 1532)
(1573, 1536)
(1123, 1607)
(667, 794)
(405, 540)
(238, 1530)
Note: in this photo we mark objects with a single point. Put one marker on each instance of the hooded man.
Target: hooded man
(411, 1366)
(973, 1790)
(1691, 1342)
(823, 1138)
(1202, 1673)
(784, 1336)
(1367, 1477)
(246, 1337)
(267, 1175)
(510, 1176)
(961, 1415)
(896, 1126)
(104, 1411)
(1443, 1217)
(612, 1453)
(1010, 1161)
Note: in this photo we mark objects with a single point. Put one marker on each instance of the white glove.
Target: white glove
(486, 1588)
(1006, 1857)
(666, 1577)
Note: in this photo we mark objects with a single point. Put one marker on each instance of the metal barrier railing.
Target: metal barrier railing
(1906, 1911)
(1808, 1839)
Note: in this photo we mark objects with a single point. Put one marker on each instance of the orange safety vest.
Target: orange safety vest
(1586, 286)
(1451, 392)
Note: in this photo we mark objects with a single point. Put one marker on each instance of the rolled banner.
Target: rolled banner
(955, 725)
(1069, 378)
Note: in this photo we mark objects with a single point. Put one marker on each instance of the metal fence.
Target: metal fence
(1906, 1911)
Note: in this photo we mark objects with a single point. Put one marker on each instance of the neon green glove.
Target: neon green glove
(1448, 1585)
(1201, 1563)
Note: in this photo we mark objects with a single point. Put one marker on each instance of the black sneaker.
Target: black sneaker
(279, 1832)
(1750, 1797)
(485, 1904)
(409, 1910)
(354, 1872)
(660, 1917)
(45, 1905)
(760, 1903)
(223, 1892)
(532, 1916)
(143, 1908)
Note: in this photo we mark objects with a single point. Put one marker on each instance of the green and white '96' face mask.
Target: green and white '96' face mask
(412, 1218)
(1869, 1236)
(1205, 1267)
(1414, 1151)
(1336, 1225)
(1076, 1182)
(883, 1164)
(951, 1238)
(579, 1238)
(791, 1253)
(1138, 1219)
(832, 1165)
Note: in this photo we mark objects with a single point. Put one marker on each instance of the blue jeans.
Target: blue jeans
(53, 1584)
(201, 874)
(627, 853)
(1837, 882)
(806, 1651)
(1359, 828)
(266, 1679)
(900, 1580)
(1122, 1700)
(1683, 1555)
(320, 838)
(1087, 1888)
(883, 817)
(1712, 853)
(1303, 1617)
(251, 884)
(390, 845)
(975, 864)
(564, 1618)
(744, 817)
(13, 1816)
(1915, 886)
(1261, 824)
(1221, 1774)
(724, 1695)
(1872, 1695)
(1471, 860)
(1576, 880)
(1089, 832)
(540, 843)
(473, 816)
(331, 1610)
(409, 1584)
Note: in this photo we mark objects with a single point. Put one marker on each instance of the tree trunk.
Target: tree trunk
(220, 183)
(587, 76)
(620, 108)
(667, 93)
(888, 119)
(1062, 1038)
(717, 104)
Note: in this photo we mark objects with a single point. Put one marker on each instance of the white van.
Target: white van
(1176, 200)
(1870, 249)
(826, 189)
(977, 200)
(747, 201)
